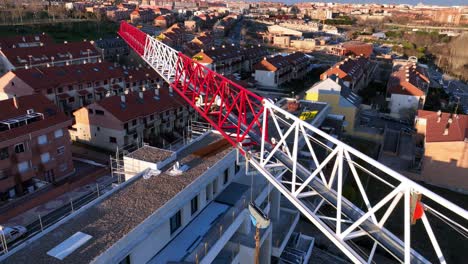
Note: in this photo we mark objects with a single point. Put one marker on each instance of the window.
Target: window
(12, 83)
(105, 82)
(60, 150)
(134, 122)
(151, 117)
(63, 167)
(194, 205)
(60, 90)
(41, 140)
(175, 222)
(23, 166)
(71, 99)
(58, 133)
(112, 140)
(49, 91)
(226, 176)
(4, 153)
(90, 111)
(90, 85)
(207, 192)
(135, 136)
(99, 112)
(70, 87)
(90, 96)
(98, 128)
(19, 148)
(45, 157)
(237, 168)
(80, 86)
(215, 186)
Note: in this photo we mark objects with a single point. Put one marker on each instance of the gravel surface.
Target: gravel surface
(150, 154)
(112, 219)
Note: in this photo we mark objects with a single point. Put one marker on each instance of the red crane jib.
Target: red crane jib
(232, 109)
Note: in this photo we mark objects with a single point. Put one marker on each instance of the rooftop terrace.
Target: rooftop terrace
(116, 214)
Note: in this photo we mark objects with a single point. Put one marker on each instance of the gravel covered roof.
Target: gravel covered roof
(110, 220)
(150, 154)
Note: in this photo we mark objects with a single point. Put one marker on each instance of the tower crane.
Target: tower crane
(269, 137)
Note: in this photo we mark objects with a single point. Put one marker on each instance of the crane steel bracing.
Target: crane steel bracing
(242, 116)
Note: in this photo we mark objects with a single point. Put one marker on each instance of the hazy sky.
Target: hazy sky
(428, 2)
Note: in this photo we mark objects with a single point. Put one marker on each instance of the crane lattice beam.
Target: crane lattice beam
(315, 188)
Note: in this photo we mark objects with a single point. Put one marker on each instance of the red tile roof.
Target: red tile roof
(408, 80)
(42, 55)
(45, 78)
(40, 104)
(135, 107)
(9, 42)
(457, 131)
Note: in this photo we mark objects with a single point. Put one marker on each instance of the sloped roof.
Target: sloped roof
(44, 78)
(457, 131)
(135, 107)
(408, 80)
(37, 102)
(41, 55)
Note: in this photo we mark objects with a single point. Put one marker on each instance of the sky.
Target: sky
(412, 2)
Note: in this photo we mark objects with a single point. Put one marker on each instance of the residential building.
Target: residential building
(174, 36)
(118, 121)
(112, 49)
(34, 145)
(355, 72)
(341, 98)
(445, 144)
(165, 21)
(275, 71)
(48, 55)
(354, 48)
(26, 41)
(193, 209)
(203, 41)
(142, 16)
(71, 87)
(407, 87)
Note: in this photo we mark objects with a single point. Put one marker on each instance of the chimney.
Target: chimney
(156, 93)
(15, 101)
(446, 130)
(122, 98)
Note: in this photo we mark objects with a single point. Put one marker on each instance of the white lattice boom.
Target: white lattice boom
(325, 179)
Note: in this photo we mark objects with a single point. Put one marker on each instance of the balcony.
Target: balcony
(283, 228)
(23, 156)
(7, 181)
(47, 147)
(26, 175)
(48, 165)
(5, 163)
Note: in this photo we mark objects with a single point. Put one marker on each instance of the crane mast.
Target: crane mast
(271, 137)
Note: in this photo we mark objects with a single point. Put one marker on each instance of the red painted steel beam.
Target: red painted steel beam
(134, 37)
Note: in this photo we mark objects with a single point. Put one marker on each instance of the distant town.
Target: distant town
(106, 157)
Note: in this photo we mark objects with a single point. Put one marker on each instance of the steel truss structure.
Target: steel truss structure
(324, 178)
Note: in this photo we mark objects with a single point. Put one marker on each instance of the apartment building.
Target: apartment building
(355, 72)
(118, 121)
(275, 71)
(353, 48)
(445, 142)
(192, 210)
(174, 36)
(142, 16)
(164, 21)
(112, 49)
(34, 145)
(407, 87)
(74, 86)
(224, 60)
(342, 100)
(48, 55)
(26, 41)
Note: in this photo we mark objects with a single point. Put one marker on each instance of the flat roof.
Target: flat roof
(113, 218)
(150, 154)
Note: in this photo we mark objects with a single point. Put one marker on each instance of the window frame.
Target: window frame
(175, 222)
(194, 205)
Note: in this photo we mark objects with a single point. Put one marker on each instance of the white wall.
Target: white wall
(265, 78)
(400, 101)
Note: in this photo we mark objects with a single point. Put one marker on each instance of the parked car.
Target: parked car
(12, 233)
